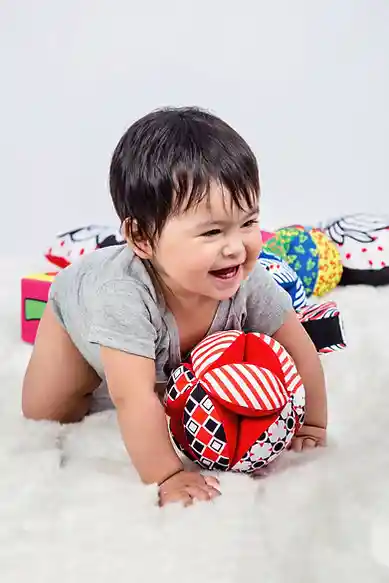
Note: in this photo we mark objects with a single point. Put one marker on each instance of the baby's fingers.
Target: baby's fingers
(309, 443)
(297, 444)
(212, 482)
(175, 496)
(204, 493)
(303, 443)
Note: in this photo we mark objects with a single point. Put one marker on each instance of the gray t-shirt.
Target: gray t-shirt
(108, 298)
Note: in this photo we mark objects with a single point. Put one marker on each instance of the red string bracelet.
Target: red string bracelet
(170, 476)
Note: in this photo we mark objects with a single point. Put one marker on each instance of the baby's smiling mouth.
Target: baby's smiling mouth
(226, 272)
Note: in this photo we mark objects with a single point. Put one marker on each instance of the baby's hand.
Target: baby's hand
(187, 486)
(309, 437)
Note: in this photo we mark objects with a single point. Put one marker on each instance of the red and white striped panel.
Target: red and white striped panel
(332, 348)
(246, 385)
(211, 349)
(318, 312)
(292, 378)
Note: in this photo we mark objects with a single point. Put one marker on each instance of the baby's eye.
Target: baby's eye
(251, 223)
(212, 233)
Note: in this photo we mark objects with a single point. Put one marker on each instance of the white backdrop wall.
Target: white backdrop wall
(306, 82)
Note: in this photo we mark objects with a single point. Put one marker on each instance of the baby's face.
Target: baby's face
(208, 250)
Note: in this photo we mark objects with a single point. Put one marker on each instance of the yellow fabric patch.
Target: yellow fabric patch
(330, 264)
(41, 276)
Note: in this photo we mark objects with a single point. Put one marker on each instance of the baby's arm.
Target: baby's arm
(131, 381)
(299, 345)
(123, 326)
(142, 421)
(269, 310)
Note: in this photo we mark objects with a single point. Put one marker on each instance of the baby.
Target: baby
(186, 189)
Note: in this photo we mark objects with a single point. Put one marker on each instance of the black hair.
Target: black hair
(167, 160)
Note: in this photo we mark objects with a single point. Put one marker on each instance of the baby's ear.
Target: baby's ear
(140, 245)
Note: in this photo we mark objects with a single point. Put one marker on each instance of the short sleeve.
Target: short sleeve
(121, 318)
(267, 303)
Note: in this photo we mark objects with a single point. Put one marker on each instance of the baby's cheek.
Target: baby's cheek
(256, 243)
(250, 264)
(257, 248)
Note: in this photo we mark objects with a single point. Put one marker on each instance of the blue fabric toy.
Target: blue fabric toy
(285, 276)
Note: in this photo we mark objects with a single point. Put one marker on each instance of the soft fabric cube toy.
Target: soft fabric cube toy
(34, 295)
(285, 276)
(236, 403)
(363, 243)
(311, 254)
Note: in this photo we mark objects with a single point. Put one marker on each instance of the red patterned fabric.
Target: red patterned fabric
(236, 404)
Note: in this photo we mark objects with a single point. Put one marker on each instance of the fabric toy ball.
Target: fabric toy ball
(363, 243)
(236, 403)
(70, 245)
(311, 254)
(285, 276)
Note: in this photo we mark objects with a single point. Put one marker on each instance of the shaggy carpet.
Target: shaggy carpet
(72, 508)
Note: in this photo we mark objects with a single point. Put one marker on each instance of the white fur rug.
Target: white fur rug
(72, 509)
